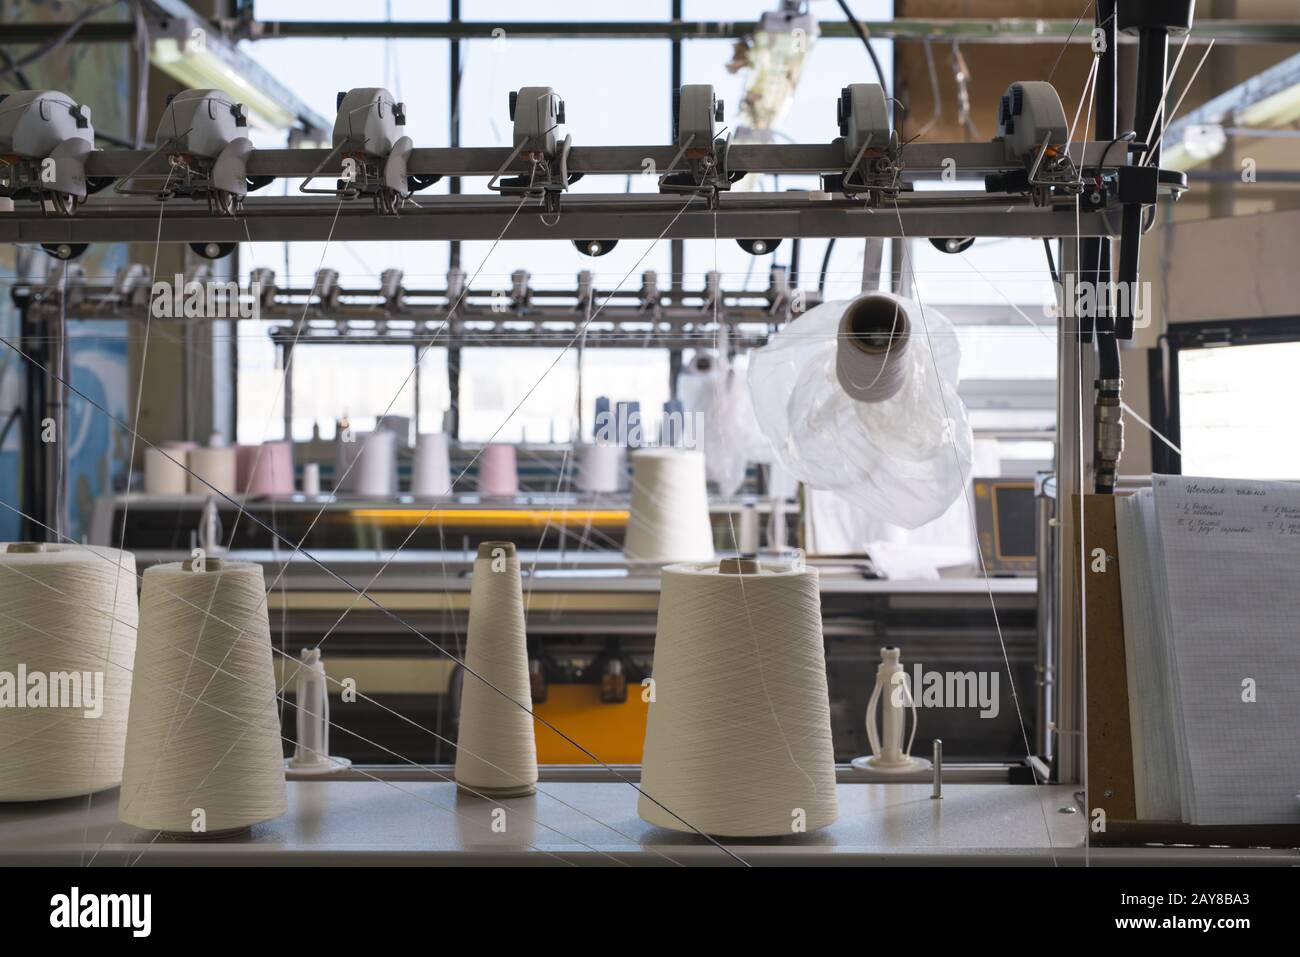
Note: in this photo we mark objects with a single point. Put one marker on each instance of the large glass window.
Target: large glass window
(626, 375)
(517, 394)
(1237, 411)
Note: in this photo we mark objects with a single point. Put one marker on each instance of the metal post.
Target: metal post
(286, 358)
(1075, 365)
(1045, 697)
(453, 86)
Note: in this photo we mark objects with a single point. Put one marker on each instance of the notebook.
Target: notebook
(1210, 576)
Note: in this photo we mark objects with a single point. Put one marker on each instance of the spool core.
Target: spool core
(26, 548)
(875, 323)
(739, 566)
(486, 549)
(209, 564)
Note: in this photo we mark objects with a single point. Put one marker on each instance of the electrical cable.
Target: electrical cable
(861, 31)
(1051, 262)
(826, 264)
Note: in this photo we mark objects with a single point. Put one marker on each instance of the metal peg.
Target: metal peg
(937, 793)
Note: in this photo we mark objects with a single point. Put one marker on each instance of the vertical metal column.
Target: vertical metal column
(286, 359)
(1075, 366)
(453, 262)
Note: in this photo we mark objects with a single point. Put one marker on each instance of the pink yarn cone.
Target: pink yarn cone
(497, 472)
(272, 472)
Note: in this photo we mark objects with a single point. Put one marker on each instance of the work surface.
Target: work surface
(584, 823)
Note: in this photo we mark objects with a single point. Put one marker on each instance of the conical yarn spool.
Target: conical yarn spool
(67, 641)
(738, 738)
(669, 516)
(496, 754)
(203, 746)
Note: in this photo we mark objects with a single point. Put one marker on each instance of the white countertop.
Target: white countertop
(586, 823)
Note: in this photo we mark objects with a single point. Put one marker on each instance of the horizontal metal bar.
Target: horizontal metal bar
(970, 30)
(966, 159)
(953, 773)
(589, 216)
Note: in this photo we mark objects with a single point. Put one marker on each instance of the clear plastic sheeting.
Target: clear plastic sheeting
(904, 459)
(726, 429)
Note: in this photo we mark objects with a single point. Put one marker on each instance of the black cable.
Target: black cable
(861, 31)
(826, 264)
(1051, 262)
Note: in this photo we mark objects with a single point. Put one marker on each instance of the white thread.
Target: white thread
(738, 739)
(215, 466)
(204, 732)
(495, 750)
(59, 618)
(669, 518)
(431, 474)
(602, 468)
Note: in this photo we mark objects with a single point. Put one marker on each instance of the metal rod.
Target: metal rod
(972, 30)
(937, 792)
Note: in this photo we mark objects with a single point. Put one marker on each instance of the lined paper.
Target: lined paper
(1221, 586)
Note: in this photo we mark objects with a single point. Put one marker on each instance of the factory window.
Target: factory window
(1236, 410)
(326, 386)
(259, 384)
(626, 375)
(517, 394)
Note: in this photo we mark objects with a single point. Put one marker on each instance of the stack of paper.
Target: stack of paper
(1210, 572)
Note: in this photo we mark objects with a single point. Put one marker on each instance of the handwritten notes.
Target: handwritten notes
(1211, 582)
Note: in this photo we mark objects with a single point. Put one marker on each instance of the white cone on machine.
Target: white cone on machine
(311, 754)
(894, 692)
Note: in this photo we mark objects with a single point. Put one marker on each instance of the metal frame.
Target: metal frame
(966, 30)
(584, 216)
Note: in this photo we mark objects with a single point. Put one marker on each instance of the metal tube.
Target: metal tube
(1073, 475)
(937, 788)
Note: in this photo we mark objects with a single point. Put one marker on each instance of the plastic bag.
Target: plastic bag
(905, 459)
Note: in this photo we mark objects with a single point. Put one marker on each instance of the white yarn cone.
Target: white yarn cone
(68, 626)
(431, 475)
(669, 519)
(738, 739)
(495, 751)
(203, 742)
(370, 463)
(216, 467)
(601, 468)
(163, 470)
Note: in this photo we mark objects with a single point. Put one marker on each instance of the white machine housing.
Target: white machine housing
(537, 111)
(40, 125)
(211, 126)
(862, 112)
(697, 111)
(1029, 114)
(368, 120)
